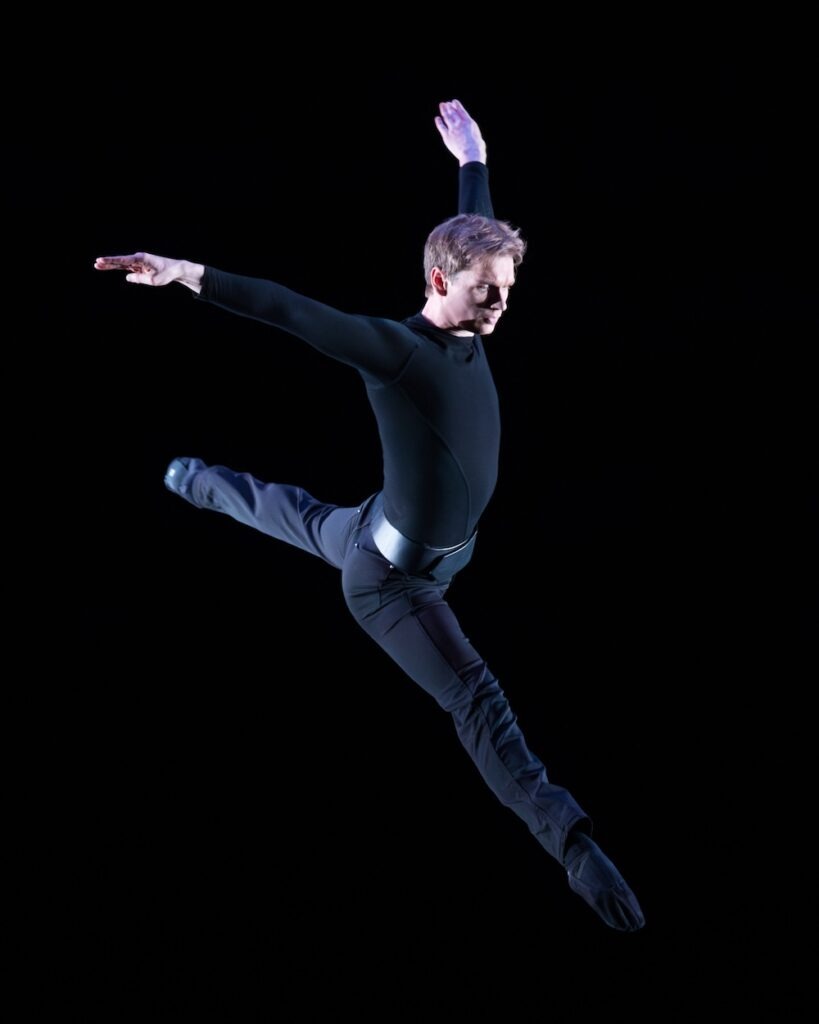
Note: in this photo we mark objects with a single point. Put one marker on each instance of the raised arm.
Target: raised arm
(462, 137)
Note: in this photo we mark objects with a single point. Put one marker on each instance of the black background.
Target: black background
(250, 806)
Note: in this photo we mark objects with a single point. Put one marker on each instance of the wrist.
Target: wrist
(472, 156)
(191, 274)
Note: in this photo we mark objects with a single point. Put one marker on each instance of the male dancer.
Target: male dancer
(433, 395)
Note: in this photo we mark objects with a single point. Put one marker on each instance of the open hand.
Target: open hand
(460, 132)
(143, 268)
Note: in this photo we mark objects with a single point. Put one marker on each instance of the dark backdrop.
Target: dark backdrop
(257, 806)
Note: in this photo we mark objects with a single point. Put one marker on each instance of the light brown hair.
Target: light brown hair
(470, 239)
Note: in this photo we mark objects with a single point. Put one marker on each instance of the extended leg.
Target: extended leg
(282, 511)
(409, 618)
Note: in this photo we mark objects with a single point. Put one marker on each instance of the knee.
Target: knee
(479, 693)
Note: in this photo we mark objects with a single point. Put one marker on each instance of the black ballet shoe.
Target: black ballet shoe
(594, 878)
(180, 474)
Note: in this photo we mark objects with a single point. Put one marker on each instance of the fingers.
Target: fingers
(448, 114)
(118, 262)
(453, 115)
(137, 264)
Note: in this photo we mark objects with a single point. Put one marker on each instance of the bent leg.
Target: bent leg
(281, 511)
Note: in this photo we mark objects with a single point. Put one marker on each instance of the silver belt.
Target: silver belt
(410, 555)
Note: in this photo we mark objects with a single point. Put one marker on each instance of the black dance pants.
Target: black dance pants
(409, 618)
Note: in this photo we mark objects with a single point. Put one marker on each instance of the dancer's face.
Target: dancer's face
(476, 298)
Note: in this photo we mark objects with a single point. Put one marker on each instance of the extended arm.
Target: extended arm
(377, 347)
(462, 137)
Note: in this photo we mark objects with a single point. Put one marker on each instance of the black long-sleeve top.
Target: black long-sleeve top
(432, 392)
